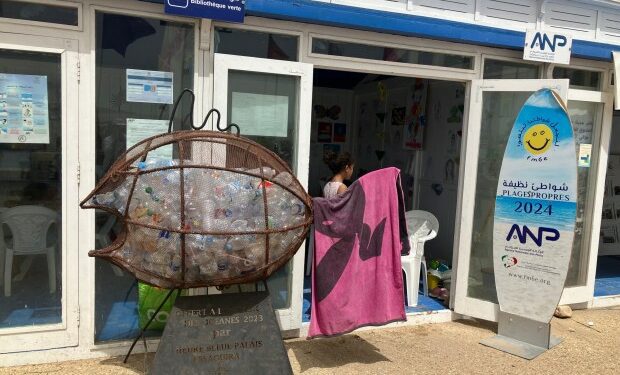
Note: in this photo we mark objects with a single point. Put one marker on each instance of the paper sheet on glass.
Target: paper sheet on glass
(260, 114)
(149, 86)
(139, 129)
(24, 116)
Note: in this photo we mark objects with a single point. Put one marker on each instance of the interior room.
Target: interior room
(607, 281)
(412, 124)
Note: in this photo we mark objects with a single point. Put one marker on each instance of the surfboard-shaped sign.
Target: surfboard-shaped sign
(535, 209)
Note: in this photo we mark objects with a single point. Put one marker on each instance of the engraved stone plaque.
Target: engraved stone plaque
(222, 334)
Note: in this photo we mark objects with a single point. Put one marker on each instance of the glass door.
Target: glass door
(590, 113)
(270, 100)
(38, 193)
(493, 108)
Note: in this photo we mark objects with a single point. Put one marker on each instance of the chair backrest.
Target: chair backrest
(29, 226)
(422, 225)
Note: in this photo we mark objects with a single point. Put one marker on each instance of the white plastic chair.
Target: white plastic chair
(422, 226)
(29, 226)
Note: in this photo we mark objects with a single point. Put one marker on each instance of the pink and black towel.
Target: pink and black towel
(359, 236)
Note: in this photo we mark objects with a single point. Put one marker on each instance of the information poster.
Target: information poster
(24, 114)
(149, 86)
(535, 209)
(260, 114)
(138, 129)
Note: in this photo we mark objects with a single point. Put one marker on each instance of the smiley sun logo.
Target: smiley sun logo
(538, 139)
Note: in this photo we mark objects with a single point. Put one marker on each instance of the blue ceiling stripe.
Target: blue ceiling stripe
(405, 24)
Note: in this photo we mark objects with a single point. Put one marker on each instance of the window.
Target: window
(499, 69)
(142, 65)
(393, 54)
(256, 44)
(579, 79)
(63, 15)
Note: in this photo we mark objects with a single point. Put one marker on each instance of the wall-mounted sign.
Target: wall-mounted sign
(149, 86)
(547, 47)
(260, 114)
(535, 209)
(139, 129)
(585, 155)
(222, 10)
(24, 116)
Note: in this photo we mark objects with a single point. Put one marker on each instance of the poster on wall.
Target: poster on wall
(398, 116)
(340, 132)
(535, 209)
(323, 111)
(415, 119)
(262, 115)
(324, 132)
(139, 129)
(585, 155)
(149, 86)
(24, 114)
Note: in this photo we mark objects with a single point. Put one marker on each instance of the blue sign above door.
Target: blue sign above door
(222, 10)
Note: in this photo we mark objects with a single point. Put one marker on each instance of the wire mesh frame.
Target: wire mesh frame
(235, 145)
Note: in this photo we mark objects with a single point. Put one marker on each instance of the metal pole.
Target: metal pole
(149, 323)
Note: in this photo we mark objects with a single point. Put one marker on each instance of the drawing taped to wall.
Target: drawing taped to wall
(321, 111)
(398, 116)
(324, 132)
(340, 132)
(416, 116)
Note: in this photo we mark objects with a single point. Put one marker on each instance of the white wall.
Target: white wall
(373, 135)
(440, 163)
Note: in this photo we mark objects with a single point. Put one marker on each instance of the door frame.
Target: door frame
(290, 318)
(64, 334)
(464, 304)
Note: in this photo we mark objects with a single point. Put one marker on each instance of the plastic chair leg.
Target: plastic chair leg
(2, 256)
(424, 277)
(51, 269)
(8, 268)
(407, 286)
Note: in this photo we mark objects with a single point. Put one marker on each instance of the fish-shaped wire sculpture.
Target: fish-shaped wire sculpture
(223, 210)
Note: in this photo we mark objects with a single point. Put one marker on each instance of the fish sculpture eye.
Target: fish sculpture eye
(202, 208)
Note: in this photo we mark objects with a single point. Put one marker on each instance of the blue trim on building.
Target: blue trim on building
(315, 12)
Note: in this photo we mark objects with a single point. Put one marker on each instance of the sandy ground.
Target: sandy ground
(447, 348)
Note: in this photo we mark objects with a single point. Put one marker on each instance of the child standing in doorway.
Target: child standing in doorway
(342, 169)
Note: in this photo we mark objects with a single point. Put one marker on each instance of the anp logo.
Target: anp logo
(521, 234)
(541, 40)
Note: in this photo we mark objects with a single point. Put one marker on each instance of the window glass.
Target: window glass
(142, 65)
(499, 110)
(275, 127)
(401, 55)
(39, 12)
(579, 79)
(30, 188)
(498, 69)
(585, 117)
(256, 44)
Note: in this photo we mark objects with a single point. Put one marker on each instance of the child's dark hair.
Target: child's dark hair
(337, 163)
